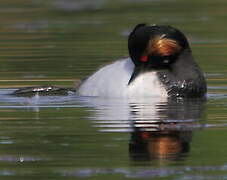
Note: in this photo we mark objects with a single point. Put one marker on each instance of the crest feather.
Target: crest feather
(161, 46)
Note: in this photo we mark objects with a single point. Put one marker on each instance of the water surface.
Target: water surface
(70, 137)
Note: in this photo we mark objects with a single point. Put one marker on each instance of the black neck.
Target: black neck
(184, 78)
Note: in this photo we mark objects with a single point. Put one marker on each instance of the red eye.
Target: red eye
(144, 58)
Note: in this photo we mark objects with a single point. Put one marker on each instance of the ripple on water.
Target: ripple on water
(182, 173)
(124, 115)
(216, 95)
(70, 5)
(21, 158)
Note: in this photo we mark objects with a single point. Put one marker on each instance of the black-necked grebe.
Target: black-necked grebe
(160, 64)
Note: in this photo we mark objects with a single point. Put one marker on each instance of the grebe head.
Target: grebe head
(156, 46)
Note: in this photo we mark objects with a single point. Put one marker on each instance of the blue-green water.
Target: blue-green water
(58, 42)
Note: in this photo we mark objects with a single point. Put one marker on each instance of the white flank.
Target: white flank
(112, 81)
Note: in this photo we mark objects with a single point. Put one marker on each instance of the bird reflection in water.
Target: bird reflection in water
(169, 137)
(159, 128)
(159, 145)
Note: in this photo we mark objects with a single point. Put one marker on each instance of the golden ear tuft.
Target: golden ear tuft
(160, 46)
